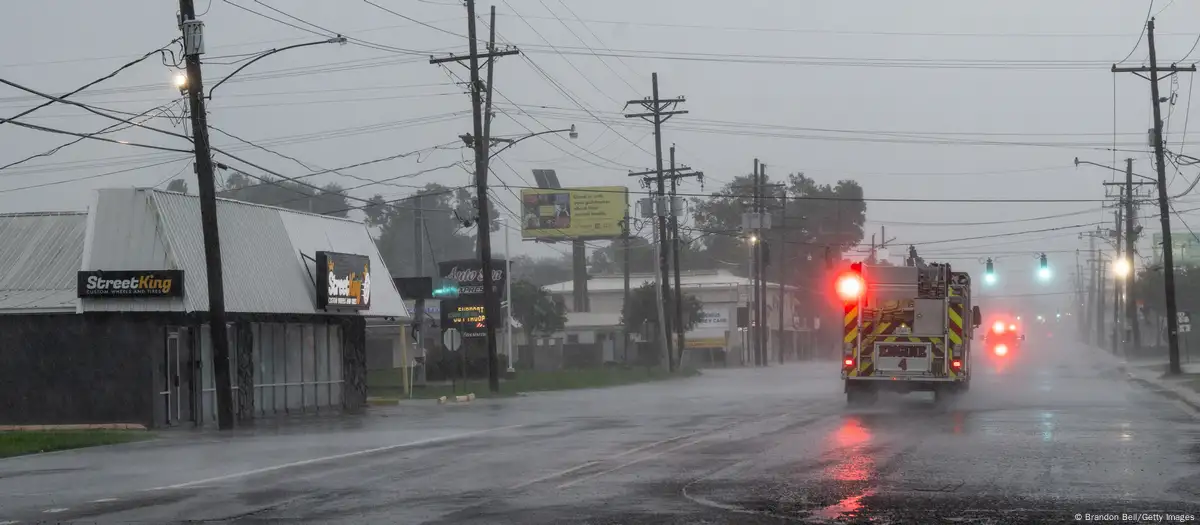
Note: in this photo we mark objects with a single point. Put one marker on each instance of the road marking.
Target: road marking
(560, 473)
(312, 461)
(104, 500)
(55, 511)
(12, 522)
(660, 453)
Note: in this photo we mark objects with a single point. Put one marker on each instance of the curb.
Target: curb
(1181, 394)
(456, 399)
(105, 426)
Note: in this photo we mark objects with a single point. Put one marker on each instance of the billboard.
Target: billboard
(573, 213)
(343, 281)
(129, 283)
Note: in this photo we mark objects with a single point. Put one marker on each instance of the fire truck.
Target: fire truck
(906, 329)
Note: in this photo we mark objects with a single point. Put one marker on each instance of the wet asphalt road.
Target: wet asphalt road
(1034, 441)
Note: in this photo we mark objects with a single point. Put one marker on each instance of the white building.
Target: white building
(717, 335)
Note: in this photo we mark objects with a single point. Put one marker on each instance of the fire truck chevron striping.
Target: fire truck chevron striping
(906, 329)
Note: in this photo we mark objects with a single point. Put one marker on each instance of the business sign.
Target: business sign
(714, 317)
(130, 283)
(573, 213)
(705, 342)
(343, 281)
(467, 315)
(468, 273)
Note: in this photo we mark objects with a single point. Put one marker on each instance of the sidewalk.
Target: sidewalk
(1152, 373)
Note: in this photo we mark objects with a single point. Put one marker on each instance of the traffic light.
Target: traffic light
(445, 289)
(989, 275)
(1043, 268)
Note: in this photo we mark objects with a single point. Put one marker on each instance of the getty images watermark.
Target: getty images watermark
(1137, 517)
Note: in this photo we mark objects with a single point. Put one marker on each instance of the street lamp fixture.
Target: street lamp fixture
(1078, 162)
(1121, 268)
(180, 81)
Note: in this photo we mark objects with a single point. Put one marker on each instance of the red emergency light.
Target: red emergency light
(998, 327)
(1001, 350)
(850, 286)
(848, 363)
(956, 364)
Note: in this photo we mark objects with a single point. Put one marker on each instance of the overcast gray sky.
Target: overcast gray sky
(896, 95)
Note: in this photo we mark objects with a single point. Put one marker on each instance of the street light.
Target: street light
(469, 139)
(1121, 268)
(180, 81)
(1078, 162)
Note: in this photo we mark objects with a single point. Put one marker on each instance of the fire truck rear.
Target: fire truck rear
(906, 329)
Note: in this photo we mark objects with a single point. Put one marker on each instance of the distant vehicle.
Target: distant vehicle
(1003, 338)
(907, 329)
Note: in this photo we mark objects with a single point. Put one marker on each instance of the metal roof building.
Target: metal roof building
(104, 314)
(263, 251)
(39, 256)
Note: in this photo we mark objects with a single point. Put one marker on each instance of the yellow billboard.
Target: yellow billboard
(573, 213)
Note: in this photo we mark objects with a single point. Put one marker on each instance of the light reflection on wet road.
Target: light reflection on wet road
(1048, 432)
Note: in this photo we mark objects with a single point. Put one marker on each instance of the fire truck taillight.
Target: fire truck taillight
(849, 363)
(850, 286)
(956, 364)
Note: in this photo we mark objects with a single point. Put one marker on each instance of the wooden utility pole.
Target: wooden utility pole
(675, 175)
(657, 112)
(1130, 281)
(193, 42)
(625, 264)
(481, 142)
(1163, 206)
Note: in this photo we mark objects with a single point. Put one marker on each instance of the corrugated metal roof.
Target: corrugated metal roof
(124, 233)
(258, 262)
(39, 259)
(261, 247)
(311, 233)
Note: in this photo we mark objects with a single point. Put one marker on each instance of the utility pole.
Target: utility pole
(764, 327)
(657, 112)
(1116, 314)
(782, 270)
(193, 42)
(625, 263)
(674, 173)
(1131, 280)
(675, 259)
(482, 144)
(419, 252)
(1163, 207)
(756, 321)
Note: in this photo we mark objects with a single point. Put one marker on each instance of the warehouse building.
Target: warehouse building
(102, 314)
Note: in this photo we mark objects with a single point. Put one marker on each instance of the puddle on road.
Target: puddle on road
(847, 507)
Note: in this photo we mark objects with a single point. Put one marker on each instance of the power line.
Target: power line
(78, 179)
(94, 136)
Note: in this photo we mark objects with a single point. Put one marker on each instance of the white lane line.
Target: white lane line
(595, 462)
(103, 500)
(10, 522)
(661, 452)
(55, 511)
(335, 457)
(560, 473)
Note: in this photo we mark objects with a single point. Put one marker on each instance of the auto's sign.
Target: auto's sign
(468, 273)
(94, 284)
(343, 281)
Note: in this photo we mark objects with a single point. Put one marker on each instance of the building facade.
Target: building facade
(103, 314)
(716, 340)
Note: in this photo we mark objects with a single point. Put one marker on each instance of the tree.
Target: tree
(329, 200)
(643, 308)
(542, 271)
(445, 237)
(538, 312)
(178, 185)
